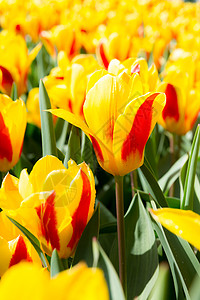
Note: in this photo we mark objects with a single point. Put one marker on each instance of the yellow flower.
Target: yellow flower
(67, 83)
(28, 281)
(182, 93)
(58, 201)
(118, 118)
(184, 223)
(12, 129)
(15, 62)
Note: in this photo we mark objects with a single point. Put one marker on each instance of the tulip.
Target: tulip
(184, 223)
(14, 62)
(58, 201)
(13, 246)
(67, 83)
(61, 38)
(182, 93)
(12, 129)
(14, 251)
(119, 121)
(28, 281)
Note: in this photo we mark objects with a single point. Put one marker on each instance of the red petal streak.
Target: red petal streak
(97, 148)
(5, 142)
(60, 77)
(72, 50)
(136, 69)
(171, 107)
(101, 51)
(7, 79)
(79, 218)
(47, 215)
(21, 253)
(70, 105)
(139, 134)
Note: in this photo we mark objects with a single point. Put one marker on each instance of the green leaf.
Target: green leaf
(73, 147)
(195, 290)
(14, 95)
(84, 248)
(87, 151)
(34, 241)
(141, 251)
(56, 264)
(182, 260)
(168, 179)
(61, 131)
(173, 202)
(114, 285)
(47, 130)
(163, 289)
(188, 193)
(151, 186)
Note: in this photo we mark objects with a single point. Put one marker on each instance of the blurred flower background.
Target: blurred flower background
(99, 146)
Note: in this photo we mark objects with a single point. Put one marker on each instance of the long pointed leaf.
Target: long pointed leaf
(47, 130)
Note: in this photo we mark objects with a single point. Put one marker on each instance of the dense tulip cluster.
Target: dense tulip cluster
(108, 82)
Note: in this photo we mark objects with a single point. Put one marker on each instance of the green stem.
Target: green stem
(172, 142)
(134, 182)
(121, 231)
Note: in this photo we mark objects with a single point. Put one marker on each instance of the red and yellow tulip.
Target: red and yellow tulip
(67, 83)
(15, 62)
(184, 223)
(182, 93)
(61, 38)
(13, 246)
(58, 201)
(28, 281)
(129, 116)
(12, 129)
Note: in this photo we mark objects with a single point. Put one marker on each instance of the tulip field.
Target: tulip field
(99, 150)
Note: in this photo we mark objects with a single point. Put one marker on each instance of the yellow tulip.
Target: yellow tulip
(184, 223)
(58, 201)
(67, 83)
(28, 281)
(61, 38)
(15, 62)
(12, 129)
(118, 118)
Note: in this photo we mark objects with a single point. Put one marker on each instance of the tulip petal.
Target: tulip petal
(100, 52)
(20, 253)
(6, 151)
(10, 197)
(5, 254)
(6, 80)
(133, 128)
(184, 223)
(41, 169)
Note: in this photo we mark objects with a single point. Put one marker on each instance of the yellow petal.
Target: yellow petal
(41, 169)
(184, 223)
(75, 282)
(5, 255)
(24, 278)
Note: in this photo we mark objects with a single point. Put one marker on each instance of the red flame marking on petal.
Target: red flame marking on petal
(101, 51)
(79, 218)
(171, 107)
(47, 214)
(21, 253)
(7, 79)
(139, 134)
(5, 142)
(136, 69)
(97, 148)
